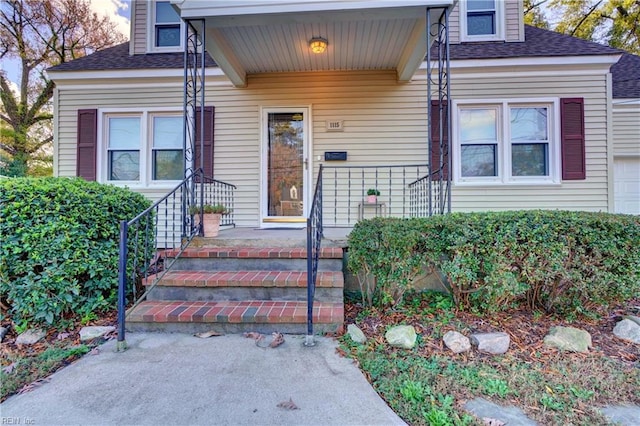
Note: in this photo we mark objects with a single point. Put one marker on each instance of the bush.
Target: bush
(559, 261)
(59, 254)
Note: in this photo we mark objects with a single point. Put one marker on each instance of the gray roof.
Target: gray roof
(538, 43)
(626, 77)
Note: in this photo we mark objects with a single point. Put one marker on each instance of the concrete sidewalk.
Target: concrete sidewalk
(181, 379)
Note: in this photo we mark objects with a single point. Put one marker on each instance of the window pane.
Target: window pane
(481, 23)
(167, 36)
(529, 159)
(124, 165)
(166, 13)
(481, 5)
(167, 132)
(168, 165)
(529, 124)
(479, 160)
(124, 133)
(478, 125)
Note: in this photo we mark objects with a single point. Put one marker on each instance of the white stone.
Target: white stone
(628, 330)
(401, 336)
(632, 318)
(356, 334)
(457, 342)
(30, 337)
(90, 333)
(568, 339)
(493, 343)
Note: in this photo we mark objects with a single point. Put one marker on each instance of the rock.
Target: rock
(457, 342)
(3, 332)
(493, 343)
(356, 334)
(401, 336)
(30, 336)
(628, 330)
(510, 415)
(632, 318)
(90, 333)
(623, 415)
(568, 339)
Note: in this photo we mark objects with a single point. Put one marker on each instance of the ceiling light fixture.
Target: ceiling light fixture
(318, 44)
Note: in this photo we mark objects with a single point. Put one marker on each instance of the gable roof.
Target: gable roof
(538, 43)
(626, 77)
(118, 58)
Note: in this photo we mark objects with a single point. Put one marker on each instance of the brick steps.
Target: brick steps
(235, 289)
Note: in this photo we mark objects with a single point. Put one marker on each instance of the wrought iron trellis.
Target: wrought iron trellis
(438, 88)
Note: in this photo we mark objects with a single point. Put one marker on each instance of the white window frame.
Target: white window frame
(504, 171)
(500, 24)
(146, 145)
(151, 32)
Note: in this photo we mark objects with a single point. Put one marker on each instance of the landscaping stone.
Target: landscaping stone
(30, 337)
(3, 332)
(457, 342)
(627, 330)
(493, 343)
(623, 415)
(356, 334)
(90, 333)
(510, 415)
(632, 318)
(568, 339)
(401, 336)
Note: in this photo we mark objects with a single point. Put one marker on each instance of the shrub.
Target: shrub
(559, 261)
(59, 254)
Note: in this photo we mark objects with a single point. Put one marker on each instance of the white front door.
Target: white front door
(285, 169)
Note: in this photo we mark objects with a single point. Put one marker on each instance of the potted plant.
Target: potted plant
(212, 215)
(372, 195)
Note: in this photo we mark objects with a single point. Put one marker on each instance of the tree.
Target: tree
(612, 22)
(39, 34)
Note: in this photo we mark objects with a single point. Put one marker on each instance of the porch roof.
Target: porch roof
(250, 37)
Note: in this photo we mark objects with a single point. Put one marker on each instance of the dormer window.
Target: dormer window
(482, 20)
(165, 34)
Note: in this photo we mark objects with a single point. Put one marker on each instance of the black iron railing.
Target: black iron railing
(151, 242)
(314, 240)
(428, 197)
(345, 190)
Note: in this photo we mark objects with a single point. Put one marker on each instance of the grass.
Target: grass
(429, 385)
(26, 370)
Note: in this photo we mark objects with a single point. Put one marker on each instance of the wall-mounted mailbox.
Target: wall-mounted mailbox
(335, 156)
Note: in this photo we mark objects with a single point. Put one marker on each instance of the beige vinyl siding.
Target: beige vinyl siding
(590, 194)
(626, 130)
(514, 30)
(139, 13)
(454, 25)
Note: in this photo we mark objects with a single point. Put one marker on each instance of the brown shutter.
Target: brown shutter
(435, 141)
(572, 138)
(208, 140)
(87, 139)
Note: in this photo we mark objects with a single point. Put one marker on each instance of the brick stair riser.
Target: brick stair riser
(322, 294)
(239, 264)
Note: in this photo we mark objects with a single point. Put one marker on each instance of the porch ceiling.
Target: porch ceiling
(252, 37)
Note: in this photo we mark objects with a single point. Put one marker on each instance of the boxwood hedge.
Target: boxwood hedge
(557, 261)
(59, 250)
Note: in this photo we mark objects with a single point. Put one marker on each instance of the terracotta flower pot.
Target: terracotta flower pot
(210, 223)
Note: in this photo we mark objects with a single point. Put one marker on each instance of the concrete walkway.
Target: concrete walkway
(181, 379)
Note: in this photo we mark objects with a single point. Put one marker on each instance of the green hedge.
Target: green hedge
(59, 250)
(560, 261)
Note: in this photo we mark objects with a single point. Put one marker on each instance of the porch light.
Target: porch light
(318, 44)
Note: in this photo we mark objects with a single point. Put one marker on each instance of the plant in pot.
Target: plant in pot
(372, 195)
(211, 217)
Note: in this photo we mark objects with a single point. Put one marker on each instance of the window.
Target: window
(482, 20)
(506, 142)
(166, 32)
(143, 147)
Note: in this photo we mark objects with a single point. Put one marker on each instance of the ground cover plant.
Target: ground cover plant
(59, 254)
(429, 385)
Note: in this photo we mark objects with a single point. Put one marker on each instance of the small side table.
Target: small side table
(379, 206)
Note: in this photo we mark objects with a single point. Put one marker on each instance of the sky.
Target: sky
(119, 12)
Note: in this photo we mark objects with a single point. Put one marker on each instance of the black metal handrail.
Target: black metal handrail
(314, 241)
(151, 242)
